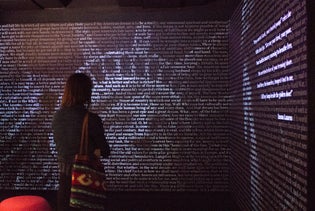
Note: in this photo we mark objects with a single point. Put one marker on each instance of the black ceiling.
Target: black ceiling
(6, 5)
(18, 11)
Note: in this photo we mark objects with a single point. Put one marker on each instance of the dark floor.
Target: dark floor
(150, 201)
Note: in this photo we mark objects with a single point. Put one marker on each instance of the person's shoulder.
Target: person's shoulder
(94, 116)
(58, 113)
(69, 112)
(57, 117)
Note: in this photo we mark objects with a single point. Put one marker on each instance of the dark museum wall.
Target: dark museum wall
(161, 89)
(311, 107)
(269, 102)
(192, 101)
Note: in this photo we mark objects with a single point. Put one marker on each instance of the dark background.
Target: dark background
(169, 86)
